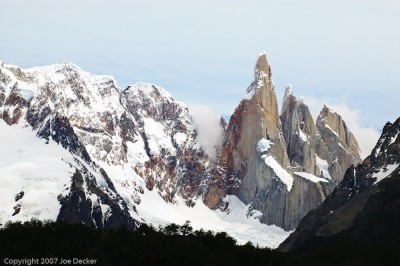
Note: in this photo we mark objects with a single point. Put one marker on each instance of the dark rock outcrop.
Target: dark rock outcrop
(19, 196)
(17, 209)
(93, 206)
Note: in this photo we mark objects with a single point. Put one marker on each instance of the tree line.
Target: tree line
(172, 244)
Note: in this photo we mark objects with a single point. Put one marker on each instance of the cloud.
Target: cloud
(367, 137)
(209, 130)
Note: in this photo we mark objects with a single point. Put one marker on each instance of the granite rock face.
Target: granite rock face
(241, 170)
(280, 164)
(339, 146)
(365, 201)
(300, 134)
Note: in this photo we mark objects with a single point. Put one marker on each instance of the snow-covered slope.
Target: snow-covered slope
(83, 150)
(43, 178)
(41, 172)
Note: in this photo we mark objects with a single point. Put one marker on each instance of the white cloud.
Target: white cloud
(366, 136)
(209, 130)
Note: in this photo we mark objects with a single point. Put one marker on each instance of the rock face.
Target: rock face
(338, 146)
(254, 131)
(141, 131)
(300, 133)
(366, 194)
(173, 161)
(283, 165)
(310, 144)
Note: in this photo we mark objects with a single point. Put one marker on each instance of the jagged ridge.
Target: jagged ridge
(359, 196)
(283, 165)
(141, 127)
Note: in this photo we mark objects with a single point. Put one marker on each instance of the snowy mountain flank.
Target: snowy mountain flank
(76, 148)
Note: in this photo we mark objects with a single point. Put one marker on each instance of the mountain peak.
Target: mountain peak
(262, 76)
(262, 66)
(148, 89)
(288, 90)
(289, 101)
(56, 67)
(326, 110)
(327, 113)
(332, 126)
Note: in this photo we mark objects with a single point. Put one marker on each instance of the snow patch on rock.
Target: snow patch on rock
(310, 177)
(157, 137)
(263, 145)
(303, 137)
(136, 152)
(323, 166)
(384, 172)
(180, 138)
(280, 172)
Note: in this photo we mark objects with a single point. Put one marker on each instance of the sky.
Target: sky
(345, 53)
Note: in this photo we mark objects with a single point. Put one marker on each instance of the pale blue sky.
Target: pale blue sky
(203, 52)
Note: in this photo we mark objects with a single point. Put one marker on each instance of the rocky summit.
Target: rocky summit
(281, 164)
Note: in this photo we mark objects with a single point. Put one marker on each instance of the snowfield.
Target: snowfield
(40, 170)
(239, 222)
(235, 222)
(43, 172)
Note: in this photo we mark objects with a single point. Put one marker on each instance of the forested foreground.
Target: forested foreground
(169, 245)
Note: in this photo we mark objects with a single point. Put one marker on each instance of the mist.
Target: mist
(209, 129)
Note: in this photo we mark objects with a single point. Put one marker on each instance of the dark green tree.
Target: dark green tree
(171, 229)
(186, 228)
